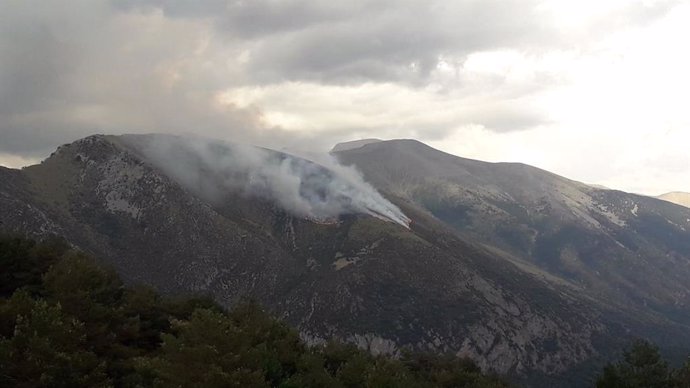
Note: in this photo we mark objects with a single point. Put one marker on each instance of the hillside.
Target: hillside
(500, 263)
(66, 322)
(627, 249)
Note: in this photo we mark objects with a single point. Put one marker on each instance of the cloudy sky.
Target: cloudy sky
(593, 90)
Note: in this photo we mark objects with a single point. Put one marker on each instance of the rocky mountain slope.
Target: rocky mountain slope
(628, 249)
(526, 272)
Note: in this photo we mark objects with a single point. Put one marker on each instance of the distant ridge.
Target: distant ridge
(677, 197)
(351, 145)
(600, 187)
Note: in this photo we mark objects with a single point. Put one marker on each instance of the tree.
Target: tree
(642, 367)
(681, 376)
(92, 295)
(23, 262)
(47, 349)
(210, 351)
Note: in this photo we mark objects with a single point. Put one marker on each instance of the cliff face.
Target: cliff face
(359, 277)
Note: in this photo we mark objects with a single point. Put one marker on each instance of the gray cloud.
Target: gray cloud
(76, 67)
(358, 41)
(258, 18)
(72, 69)
(402, 41)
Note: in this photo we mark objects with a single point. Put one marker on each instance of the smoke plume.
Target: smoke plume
(319, 191)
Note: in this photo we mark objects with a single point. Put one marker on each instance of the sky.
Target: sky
(596, 91)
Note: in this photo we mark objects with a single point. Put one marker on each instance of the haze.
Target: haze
(592, 90)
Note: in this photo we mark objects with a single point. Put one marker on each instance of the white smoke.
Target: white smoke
(318, 191)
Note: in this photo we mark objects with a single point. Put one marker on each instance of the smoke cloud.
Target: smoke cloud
(211, 168)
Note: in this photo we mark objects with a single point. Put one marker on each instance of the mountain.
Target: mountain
(528, 273)
(67, 322)
(628, 249)
(677, 197)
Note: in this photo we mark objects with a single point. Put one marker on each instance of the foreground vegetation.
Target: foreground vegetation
(643, 367)
(67, 322)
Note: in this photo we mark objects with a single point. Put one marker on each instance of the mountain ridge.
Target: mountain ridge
(434, 286)
(479, 199)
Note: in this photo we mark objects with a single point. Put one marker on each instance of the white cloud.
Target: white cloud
(15, 161)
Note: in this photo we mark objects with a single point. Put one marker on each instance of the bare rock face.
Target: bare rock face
(504, 265)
